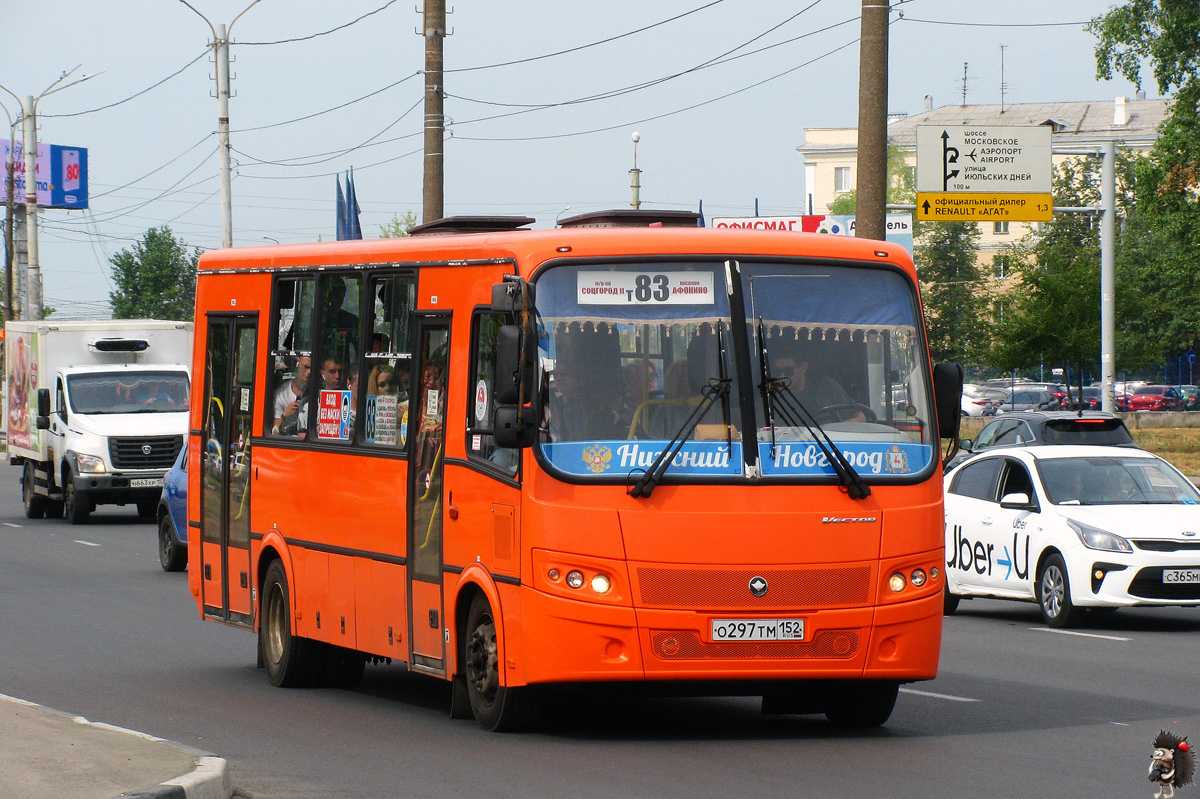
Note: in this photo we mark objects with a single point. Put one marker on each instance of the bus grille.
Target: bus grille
(687, 645)
(154, 452)
(729, 588)
(1148, 584)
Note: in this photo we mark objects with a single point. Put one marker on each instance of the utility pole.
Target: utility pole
(870, 212)
(33, 279)
(1108, 275)
(220, 46)
(433, 200)
(10, 208)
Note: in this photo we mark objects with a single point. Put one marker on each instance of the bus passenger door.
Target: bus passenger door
(427, 431)
(225, 468)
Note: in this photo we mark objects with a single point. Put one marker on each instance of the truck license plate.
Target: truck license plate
(145, 482)
(1181, 575)
(758, 629)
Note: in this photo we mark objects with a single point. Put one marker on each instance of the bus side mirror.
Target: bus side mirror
(506, 296)
(43, 409)
(947, 398)
(513, 367)
(515, 426)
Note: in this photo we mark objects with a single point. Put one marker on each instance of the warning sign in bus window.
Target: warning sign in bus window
(333, 416)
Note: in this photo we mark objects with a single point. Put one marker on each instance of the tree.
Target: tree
(399, 226)
(1158, 256)
(155, 278)
(901, 185)
(953, 290)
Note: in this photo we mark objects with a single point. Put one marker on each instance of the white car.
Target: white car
(977, 401)
(1072, 527)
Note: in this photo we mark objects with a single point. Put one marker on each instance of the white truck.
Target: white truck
(97, 411)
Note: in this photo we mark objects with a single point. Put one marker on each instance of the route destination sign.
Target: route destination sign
(981, 172)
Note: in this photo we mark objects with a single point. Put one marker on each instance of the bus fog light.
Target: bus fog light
(601, 584)
(554, 574)
(575, 579)
(934, 573)
(896, 582)
(918, 578)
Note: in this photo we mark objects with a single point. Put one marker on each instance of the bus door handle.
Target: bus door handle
(451, 508)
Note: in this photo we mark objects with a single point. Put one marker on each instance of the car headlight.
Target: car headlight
(88, 464)
(1095, 538)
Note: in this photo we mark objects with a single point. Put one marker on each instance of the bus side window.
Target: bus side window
(337, 369)
(388, 360)
(482, 405)
(291, 357)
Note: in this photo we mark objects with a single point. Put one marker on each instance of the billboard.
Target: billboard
(61, 174)
(899, 227)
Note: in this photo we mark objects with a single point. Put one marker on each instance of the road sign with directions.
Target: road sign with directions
(984, 160)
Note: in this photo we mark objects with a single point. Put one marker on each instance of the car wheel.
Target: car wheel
(290, 661)
(76, 507)
(860, 703)
(1054, 594)
(146, 509)
(35, 505)
(497, 708)
(172, 555)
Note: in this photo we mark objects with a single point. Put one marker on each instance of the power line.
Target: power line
(158, 169)
(329, 174)
(338, 153)
(323, 33)
(996, 24)
(131, 97)
(584, 46)
(328, 110)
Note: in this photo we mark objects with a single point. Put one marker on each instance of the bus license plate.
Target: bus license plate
(1181, 575)
(145, 482)
(758, 629)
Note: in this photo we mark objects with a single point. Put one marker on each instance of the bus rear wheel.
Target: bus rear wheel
(860, 703)
(290, 661)
(497, 708)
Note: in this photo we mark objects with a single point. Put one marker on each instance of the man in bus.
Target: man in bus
(290, 399)
(813, 391)
(332, 371)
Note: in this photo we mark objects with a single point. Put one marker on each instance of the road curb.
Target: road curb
(208, 779)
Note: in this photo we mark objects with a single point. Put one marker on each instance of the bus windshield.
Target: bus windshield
(630, 351)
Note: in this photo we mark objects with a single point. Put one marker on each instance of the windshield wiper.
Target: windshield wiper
(794, 414)
(717, 388)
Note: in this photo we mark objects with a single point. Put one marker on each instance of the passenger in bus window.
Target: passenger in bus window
(382, 380)
(813, 391)
(340, 325)
(291, 399)
(332, 371)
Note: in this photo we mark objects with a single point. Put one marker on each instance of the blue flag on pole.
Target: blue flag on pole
(341, 211)
(353, 228)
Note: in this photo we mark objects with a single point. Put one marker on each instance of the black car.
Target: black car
(1035, 428)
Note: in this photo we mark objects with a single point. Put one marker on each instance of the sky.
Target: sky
(542, 99)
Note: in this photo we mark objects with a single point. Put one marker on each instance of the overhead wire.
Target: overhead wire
(328, 110)
(322, 33)
(132, 96)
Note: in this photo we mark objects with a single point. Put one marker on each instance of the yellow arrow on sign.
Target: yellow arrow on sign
(949, 206)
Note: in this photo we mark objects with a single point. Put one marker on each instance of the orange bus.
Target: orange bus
(628, 449)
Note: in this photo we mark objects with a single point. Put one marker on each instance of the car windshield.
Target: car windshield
(128, 392)
(629, 351)
(1115, 481)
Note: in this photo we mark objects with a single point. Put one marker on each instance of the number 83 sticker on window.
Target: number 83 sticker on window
(645, 288)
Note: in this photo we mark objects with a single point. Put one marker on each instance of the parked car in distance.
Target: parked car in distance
(1190, 397)
(1091, 398)
(1071, 528)
(1041, 428)
(1023, 399)
(978, 401)
(172, 517)
(1057, 389)
(1155, 398)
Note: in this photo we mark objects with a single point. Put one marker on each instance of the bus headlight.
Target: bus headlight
(896, 582)
(917, 578)
(575, 578)
(601, 584)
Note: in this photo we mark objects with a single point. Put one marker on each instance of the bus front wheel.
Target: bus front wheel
(290, 661)
(860, 703)
(497, 708)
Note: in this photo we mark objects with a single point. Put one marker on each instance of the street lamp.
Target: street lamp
(221, 50)
(635, 176)
(33, 277)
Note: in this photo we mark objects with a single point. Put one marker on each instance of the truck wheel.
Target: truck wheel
(290, 661)
(76, 507)
(35, 505)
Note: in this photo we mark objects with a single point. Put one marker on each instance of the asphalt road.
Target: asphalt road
(91, 625)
